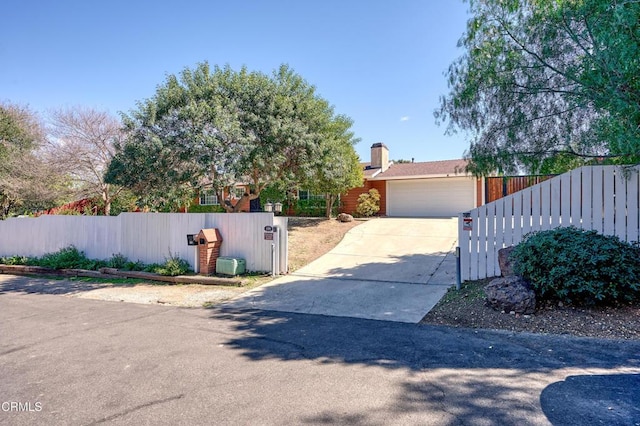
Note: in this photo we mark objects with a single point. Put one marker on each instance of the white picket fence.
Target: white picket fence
(148, 237)
(600, 198)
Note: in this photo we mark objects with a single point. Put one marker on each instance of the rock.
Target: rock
(505, 262)
(344, 217)
(511, 294)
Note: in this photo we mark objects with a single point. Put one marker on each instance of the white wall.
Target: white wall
(148, 237)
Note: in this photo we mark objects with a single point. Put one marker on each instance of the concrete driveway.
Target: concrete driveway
(393, 269)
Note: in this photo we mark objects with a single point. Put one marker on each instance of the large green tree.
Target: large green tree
(338, 168)
(27, 180)
(547, 84)
(220, 127)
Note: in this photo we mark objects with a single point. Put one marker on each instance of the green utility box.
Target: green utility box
(230, 266)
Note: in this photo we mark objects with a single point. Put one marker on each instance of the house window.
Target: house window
(239, 191)
(305, 194)
(208, 197)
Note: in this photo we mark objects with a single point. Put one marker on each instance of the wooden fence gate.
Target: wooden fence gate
(600, 198)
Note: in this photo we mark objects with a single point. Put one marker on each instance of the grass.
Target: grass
(470, 291)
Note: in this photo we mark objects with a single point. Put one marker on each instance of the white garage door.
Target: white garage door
(430, 197)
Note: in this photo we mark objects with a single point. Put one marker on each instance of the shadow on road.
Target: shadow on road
(44, 285)
(593, 399)
(472, 375)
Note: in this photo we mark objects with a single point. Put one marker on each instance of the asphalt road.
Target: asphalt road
(73, 361)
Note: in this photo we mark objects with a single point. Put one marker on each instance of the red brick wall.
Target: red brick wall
(350, 199)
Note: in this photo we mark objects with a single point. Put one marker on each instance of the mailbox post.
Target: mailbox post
(209, 242)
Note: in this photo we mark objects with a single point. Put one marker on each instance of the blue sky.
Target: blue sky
(379, 62)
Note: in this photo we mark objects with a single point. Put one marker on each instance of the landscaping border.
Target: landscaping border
(107, 273)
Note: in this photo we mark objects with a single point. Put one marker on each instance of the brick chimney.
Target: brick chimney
(379, 156)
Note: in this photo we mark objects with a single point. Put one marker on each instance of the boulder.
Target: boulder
(505, 262)
(344, 217)
(511, 293)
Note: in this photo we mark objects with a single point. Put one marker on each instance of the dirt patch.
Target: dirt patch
(467, 308)
(192, 295)
(310, 238)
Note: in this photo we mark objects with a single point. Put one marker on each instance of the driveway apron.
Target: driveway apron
(393, 269)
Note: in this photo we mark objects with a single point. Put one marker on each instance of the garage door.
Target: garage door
(430, 197)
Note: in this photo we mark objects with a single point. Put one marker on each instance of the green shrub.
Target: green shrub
(315, 207)
(15, 260)
(579, 267)
(152, 267)
(173, 266)
(196, 208)
(68, 258)
(117, 261)
(368, 203)
(134, 266)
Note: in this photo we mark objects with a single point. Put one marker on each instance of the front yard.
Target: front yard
(467, 308)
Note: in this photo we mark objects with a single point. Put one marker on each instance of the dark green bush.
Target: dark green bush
(117, 261)
(196, 208)
(315, 207)
(134, 266)
(173, 266)
(579, 267)
(68, 258)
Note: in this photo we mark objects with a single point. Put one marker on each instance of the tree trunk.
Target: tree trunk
(330, 199)
(107, 201)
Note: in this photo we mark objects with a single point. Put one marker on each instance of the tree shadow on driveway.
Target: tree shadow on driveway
(460, 376)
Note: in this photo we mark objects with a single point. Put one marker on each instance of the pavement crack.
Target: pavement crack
(12, 350)
(136, 408)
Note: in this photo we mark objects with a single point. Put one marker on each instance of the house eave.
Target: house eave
(443, 175)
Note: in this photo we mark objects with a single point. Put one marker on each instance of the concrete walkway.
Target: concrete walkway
(385, 269)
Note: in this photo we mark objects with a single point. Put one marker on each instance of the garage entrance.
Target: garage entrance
(435, 197)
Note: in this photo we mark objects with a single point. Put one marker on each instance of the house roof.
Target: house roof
(425, 169)
(368, 171)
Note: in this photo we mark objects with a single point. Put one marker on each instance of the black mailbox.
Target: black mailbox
(191, 240)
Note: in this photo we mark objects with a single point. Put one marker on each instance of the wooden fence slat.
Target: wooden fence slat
(576, 197)
(633, 201)
(545, 206)
(536, 220)
(474, 245)
(620, 204)
(565, 199)
(609, 204)
(552, 203)
(587, 191)
(482, 242)
(517, 218)
(508, 221)
(597, 199)
(491, 240)
(555, 200)
(527, 195)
